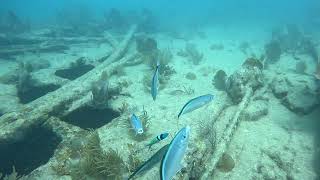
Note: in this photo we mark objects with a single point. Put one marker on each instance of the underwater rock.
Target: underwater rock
(255, 110)
(253, 62)
(219, 80)
(191, 76)
(249, 75)
(225, 163)
(297, 92)
(301, 102)
(280, 87)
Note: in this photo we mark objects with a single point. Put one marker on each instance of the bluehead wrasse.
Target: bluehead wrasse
(196, 103)
(157, 139)
(151, 162)
(136, 124)
(155, 82)
(171, 162)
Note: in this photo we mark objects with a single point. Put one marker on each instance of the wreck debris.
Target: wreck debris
(14, 124)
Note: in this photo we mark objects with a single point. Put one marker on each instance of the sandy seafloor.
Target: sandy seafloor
(282, 133)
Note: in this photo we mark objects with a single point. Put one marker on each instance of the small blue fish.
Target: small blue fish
(158, 139)
(155, 82)
(136, 124)
(196, 103)
(171, 162)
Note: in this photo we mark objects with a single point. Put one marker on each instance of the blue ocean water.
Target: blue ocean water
(73, 72)
(176, 12)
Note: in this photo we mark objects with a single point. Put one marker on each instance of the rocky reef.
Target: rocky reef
(249, 75)
(297, 92)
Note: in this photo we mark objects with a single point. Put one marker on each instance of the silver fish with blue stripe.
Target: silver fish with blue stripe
(196, 103)
(155, 82)
(171, 162)
(151, 162)
(136, 124)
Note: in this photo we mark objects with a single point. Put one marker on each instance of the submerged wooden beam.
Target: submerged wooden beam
(14, 125)
(14, 51)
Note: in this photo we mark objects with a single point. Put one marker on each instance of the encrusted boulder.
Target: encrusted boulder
(249, 75)
(280, 87)
(299, 93)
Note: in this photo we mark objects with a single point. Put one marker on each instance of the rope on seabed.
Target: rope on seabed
(226, 137)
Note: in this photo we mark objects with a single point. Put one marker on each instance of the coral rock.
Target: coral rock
(297, 92)
(280, 87)
(249, 75)
(253, 62)
(191, 76)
